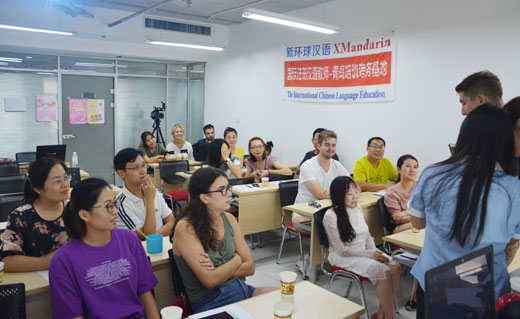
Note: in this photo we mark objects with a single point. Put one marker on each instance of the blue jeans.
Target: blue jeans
(224, 295)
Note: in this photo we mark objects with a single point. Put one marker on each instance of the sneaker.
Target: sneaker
(410, 305)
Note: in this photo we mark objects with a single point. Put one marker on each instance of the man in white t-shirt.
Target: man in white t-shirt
(317, 173)
(141, 205)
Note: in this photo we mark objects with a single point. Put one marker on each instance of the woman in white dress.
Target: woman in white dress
(353, 248)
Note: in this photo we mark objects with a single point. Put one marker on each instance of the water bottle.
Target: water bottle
(75, 175)
(74, 160)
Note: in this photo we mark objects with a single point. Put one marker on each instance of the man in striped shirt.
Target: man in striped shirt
(141, 205)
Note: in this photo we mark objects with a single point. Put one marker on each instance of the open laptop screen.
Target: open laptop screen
(462, 288)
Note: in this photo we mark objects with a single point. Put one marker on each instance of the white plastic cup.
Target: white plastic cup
(287, 283)
(171, 312)
(283, 310)
(1, 271)
(265, 181)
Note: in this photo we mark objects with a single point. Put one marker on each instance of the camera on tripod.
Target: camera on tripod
(158, 112)
(157, 115)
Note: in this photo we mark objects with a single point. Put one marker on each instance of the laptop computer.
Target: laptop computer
(57, 151)
(462, 288)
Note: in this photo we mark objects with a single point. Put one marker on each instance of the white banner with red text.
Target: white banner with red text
(353, 70)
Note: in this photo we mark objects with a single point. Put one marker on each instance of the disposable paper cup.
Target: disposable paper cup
(1, 271)
(265, 181)
(154, 243)
(283, 310)
(171, 312)
(287, 282)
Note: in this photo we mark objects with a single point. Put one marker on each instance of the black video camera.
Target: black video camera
(158, 112)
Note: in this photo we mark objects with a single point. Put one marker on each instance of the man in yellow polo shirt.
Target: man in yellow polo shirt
(372, 172)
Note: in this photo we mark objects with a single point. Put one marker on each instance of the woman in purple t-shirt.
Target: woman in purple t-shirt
(102, 272)
(259, 164)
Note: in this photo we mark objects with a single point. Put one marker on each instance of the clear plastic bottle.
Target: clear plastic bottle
(74, 160)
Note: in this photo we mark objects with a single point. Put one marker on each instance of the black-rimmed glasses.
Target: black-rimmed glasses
(222, 190)
(110, 207)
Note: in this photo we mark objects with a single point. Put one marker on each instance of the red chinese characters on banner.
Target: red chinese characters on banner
(370, 69)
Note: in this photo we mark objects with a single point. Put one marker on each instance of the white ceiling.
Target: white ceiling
(224, 12)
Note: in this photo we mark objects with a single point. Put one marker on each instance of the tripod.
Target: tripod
(157, 131)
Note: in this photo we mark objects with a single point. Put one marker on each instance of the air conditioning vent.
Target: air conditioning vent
(176, 26)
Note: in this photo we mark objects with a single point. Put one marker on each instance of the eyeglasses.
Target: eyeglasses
(314, 204)
(257, 147)
(110, 207)
(62, 181)
(377, 147)
(222, 190)
(143, 166)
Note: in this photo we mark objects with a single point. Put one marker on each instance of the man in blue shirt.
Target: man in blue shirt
(209, 132)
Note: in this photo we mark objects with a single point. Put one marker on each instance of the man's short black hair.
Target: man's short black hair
(483, 82)
(127, 155)
(376, 138)
(318, 130)
(207, 126)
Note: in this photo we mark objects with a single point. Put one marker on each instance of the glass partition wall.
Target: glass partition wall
(139, 87)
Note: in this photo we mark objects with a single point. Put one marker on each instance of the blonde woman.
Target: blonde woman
(178, 143)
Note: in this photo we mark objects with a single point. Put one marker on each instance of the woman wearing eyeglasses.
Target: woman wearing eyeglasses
(35, 230)
(260, 164)
(208, 246)
(102, 272)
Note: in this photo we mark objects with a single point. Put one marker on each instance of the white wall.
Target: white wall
(94, 37)
(438, 44)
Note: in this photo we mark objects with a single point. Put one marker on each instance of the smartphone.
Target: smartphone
(220, 315)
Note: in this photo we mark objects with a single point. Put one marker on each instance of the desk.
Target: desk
(259, 209)
(38, 302)
(415, 241)
(157, 174)
(367, 202)
(310, 301)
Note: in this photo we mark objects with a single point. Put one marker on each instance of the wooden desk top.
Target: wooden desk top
(366, 199)
(271, 188)
(415, 241)
(407, 239)
(35, 283)
(192, 163)
(310, 301)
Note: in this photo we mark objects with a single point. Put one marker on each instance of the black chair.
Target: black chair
(12, 184)
(179, 289)
(276, 177)
(241, 181)
(12, 301)
(9, 169)
(26, 157)
(386, 219)
(168, 169)
(200, 152)
(288, 192)
(8, 203)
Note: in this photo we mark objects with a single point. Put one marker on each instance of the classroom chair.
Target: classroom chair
(334, 271)
(12, 184)
(8, 203)
(168, 170)
(288, 192)
(178, 287)
(235, 203)
(12, 301)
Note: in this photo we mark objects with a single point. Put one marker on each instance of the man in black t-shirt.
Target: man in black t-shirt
(316, 150)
